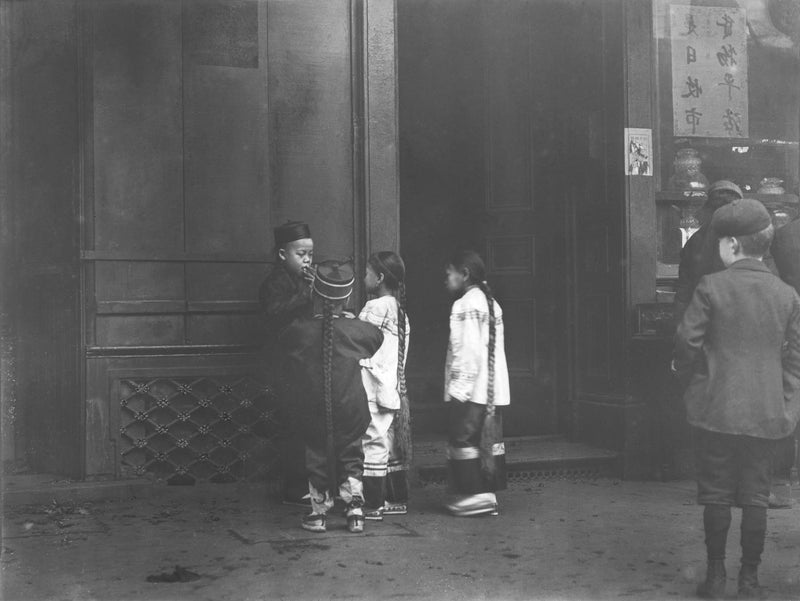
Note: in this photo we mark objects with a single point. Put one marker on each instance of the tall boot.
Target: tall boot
(716, 522)
(397, 486)
(714, 585)
(374, 497)
(749, 587)
(754, 531)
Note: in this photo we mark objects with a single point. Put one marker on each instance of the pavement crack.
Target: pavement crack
(242, 539)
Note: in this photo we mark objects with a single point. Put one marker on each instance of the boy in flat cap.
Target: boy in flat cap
(285, 296)
(738, 346)
(700, 255)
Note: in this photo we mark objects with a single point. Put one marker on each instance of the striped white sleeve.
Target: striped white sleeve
(465, 352)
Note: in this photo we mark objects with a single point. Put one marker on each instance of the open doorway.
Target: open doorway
(497, 104)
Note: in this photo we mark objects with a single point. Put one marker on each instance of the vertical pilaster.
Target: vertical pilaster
(640, 189)
(381, 169)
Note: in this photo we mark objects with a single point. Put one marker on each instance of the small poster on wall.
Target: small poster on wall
(638, 151)
(709, 71)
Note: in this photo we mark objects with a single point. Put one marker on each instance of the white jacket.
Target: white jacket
(379, 372)
(466, 373)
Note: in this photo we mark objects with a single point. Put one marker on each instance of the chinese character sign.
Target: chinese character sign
(709, 71)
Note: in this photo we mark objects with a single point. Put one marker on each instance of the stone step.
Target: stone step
(527, 458)
(41, 489)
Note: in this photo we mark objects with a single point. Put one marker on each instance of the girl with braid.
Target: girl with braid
(387, 443)
(323, 355)
(476, 386)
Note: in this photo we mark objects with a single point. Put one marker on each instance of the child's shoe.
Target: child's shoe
(714, 585)
(480, 504)
(314, 522)
(395, 508)
(355, 520)
(374, 515)
(749, 588)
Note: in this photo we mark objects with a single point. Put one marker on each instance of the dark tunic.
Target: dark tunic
(284, 297)
(353, 340)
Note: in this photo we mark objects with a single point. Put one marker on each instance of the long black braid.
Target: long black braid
(402, 424)
(490, 431)
(401, 335)
(393, 269)
(327, 370)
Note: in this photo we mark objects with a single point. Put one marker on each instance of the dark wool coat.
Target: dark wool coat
(353, 340)
(699, 257)
(739, 346)
(284, 297)
(786, 252)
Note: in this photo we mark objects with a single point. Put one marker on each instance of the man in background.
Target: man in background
(700, 255)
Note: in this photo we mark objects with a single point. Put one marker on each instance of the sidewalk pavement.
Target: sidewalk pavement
(553, 540)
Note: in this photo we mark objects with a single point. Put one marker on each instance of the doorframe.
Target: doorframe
(375, 139)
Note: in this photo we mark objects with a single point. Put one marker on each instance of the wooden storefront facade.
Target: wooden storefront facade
(153, 146)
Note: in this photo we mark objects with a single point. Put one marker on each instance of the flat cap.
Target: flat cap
(725, 185)
(742, 217)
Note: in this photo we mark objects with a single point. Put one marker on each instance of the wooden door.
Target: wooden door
(472, 175)
(509, 129)
(516, 233)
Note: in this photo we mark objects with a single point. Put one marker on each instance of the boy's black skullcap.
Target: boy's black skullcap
(291, 231)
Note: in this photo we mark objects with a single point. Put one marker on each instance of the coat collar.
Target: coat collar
(750, 265)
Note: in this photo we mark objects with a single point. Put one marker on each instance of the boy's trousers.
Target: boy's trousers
(733, 469)
(381, 460)
(349, 469)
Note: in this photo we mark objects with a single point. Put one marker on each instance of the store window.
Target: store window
(728, 107)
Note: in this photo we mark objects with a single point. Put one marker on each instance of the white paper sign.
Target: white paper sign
(638, 151)
(709, 71)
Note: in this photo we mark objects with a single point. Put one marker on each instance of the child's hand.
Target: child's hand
(348, 314)
(309, 275)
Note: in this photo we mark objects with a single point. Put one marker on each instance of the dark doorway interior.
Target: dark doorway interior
(502, 130)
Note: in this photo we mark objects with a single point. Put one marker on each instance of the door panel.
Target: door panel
(517, 233)
(138, 137)
(311, 120)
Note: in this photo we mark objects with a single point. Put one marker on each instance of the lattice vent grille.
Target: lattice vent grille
(188, 429)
